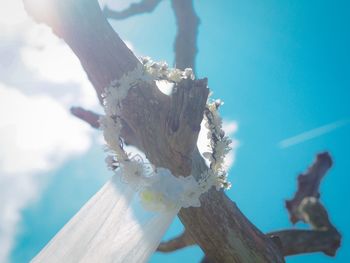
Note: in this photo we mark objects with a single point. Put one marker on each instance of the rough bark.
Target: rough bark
(218, 226)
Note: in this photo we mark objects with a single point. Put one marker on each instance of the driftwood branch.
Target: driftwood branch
(218, 226)
(182, 241)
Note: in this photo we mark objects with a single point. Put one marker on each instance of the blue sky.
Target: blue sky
(281, 67)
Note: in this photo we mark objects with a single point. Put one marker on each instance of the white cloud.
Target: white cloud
(53, 61)
(43, 61)
(36, 135)
(40, 77)
(38, 130)
(12, 17)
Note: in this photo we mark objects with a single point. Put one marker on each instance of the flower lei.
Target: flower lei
(158, 189)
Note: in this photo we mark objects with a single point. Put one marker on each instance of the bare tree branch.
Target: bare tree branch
(313, 213)
(92, 119)
(145, 6)
(307, 241)
(185, 45)
(308, 185)
(323, 238)
(182, 241)
(305, 206)
(87, 116)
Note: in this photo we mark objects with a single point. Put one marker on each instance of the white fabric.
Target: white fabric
(108, 229)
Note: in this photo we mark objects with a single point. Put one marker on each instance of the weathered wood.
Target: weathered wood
(162, 125)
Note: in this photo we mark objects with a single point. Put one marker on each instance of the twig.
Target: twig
(87, 116)
(182, 241)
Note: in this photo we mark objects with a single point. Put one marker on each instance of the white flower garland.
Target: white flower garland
(158, 188)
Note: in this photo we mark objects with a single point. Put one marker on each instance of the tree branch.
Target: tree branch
(305, 206)
(182, 241)
(218, 226)
(323, 238)
(307, 241)
(145, 6)
(185, 45)
(87, 116)
(308, 185)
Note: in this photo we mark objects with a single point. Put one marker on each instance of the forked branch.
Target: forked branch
(305, 206)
